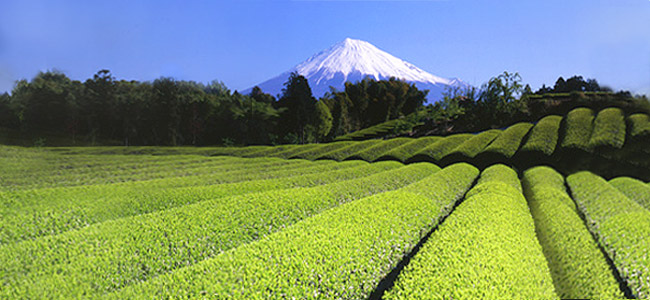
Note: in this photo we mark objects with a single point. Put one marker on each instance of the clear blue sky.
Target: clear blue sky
(243, 42)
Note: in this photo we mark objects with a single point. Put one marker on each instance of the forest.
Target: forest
(106, 111)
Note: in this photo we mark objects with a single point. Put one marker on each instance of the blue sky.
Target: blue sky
(245, 42)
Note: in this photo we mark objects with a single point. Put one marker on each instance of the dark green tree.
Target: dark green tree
(8, 115)
(300, 106)
(323, 120)
(99, 104)
(48, 102)
(260, 96)
(560, 86)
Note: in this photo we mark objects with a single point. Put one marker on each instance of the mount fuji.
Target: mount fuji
(353, 60)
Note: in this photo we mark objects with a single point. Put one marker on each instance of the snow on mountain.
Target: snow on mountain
(352, 60)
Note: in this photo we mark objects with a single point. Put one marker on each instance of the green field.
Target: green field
(500, 214)
(162, 222)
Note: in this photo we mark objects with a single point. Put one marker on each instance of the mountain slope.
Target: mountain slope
(352, 60)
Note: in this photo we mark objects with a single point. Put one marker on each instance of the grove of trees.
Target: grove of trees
(166, 111)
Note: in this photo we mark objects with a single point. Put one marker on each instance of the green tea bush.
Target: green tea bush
(578, 267)
(578, 128)
(407, 150)
(485, 249)
(609, 129)
(544, 136)
(508, 142)
(621, 226)
(634, 189)
(342, 253)
(111, 255)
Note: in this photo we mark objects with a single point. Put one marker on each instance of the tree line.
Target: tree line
(173, 112)
(504, 100)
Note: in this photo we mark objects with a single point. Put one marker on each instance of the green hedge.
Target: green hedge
(486, 249)
(51, 211)
(342, 253)
(639, 125)
(111, 255)
(290, 152)
(634, 189)
(17, 180)
(544, 136)
(621, 226)
(476, 144)
(406, 151)
(346, 152)
(609, 129)
(442, 148)
(578, 267)
(509, 141)
(376, 151)
(273, 151)
(578, 127)
(321, 149)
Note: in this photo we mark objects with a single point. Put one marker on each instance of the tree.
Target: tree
(8, 116)
(48, 102)
(498, 100)
(260, 96)
(300, 106)
(165, 104)
(560, 86)
(323, 120)
(98, 105)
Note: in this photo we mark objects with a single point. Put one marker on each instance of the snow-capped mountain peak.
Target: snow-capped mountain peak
(352, 60)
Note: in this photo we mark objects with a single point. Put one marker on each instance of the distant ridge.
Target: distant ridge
(352, 60)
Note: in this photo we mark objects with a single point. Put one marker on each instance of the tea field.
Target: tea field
(493, 215)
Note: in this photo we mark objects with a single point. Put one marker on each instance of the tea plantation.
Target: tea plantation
(556, 209)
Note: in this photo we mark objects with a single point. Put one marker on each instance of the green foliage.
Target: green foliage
(498, 173)
(579, 125)
(634, 189)
(609, 129)
(299, 105)
(318, 151)
(323, 120)
(192, 166)
(621, 226)
(639, 125)
(341, 253)
(375, 131)
(291, 151)
(41, 212)
(486, 249)
(442, 147)
(342, 153)
(508, 142)
(378, 150)
(370, 102)
(476, 144)
(578, 267)
(407, 150)
(544, 135)
(177, 234)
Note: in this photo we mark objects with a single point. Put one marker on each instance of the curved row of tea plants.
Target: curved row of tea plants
(578, 267)
(486, 249)
(634, 189)
(607, 142)
(342, 253)
(621, 226)
(50, 212)
(111, 255)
